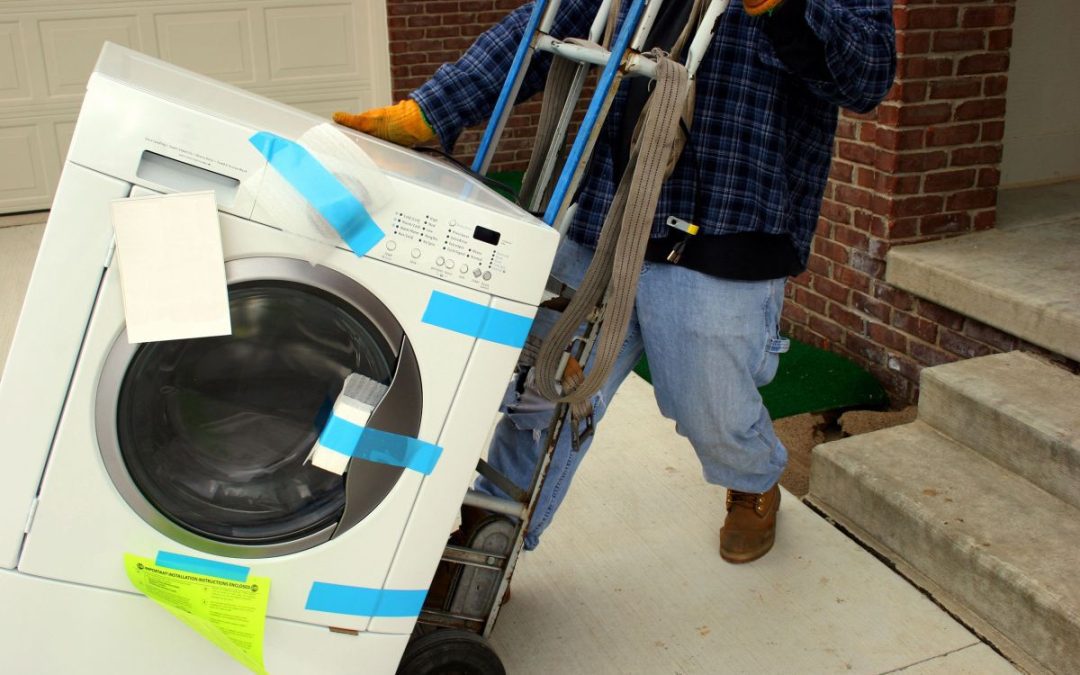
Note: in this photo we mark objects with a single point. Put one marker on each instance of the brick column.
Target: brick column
(427, 33)
(924, 165)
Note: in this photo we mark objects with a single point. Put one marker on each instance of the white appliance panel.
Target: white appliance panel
(111, 632)
(46, 343)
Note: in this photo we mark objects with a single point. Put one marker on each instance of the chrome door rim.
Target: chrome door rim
(121, 354)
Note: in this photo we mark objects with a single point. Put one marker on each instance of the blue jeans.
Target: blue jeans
(711, 343)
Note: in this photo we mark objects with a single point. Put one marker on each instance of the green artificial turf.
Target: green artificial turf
(808, 379)
(812, 380)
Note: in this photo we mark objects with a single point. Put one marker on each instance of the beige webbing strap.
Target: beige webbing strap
(611, 280)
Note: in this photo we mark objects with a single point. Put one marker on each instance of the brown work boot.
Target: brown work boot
(750, 527)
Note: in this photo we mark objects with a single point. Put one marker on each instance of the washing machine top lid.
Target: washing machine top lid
(228, 107)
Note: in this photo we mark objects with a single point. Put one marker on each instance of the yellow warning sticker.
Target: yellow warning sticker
(229, 613)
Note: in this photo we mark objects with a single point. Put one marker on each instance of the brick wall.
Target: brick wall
(924, 165)
(427, 33)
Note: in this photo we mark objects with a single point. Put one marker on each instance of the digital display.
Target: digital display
(487, 236)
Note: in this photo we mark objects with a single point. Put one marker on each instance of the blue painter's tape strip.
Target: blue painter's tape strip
(210, 568)
(321, 189)
(470, 318)
(357, 601)
(344, 437)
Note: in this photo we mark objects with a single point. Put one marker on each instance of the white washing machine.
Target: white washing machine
(197, 447)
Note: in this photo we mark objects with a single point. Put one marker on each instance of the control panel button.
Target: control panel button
(450, 264)
(476, 272)
(464, 269)
(439, 261)
(487, 276)
(391, 245)
(415, 253)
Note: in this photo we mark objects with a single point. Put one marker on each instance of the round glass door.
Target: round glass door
(211, 434)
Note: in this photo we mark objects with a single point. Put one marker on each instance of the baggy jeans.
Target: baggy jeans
(710, 342)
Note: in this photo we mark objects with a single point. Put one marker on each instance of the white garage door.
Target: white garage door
(319, 56)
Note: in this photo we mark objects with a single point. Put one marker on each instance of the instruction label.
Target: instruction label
(231, 614)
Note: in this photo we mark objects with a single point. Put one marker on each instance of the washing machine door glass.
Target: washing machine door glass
(214, 432)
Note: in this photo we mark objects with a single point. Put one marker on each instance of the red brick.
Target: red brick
(939, 315)
(995, 85)
(853, 279)
(921, 68)
(887, 337)
(835, 212)
(893, 296)
(871, 307)
(818, 264)
(983, 63)
(866, 177)
(841, 171)
(831, 250)
(847, 319)
(972, 199)
(828, 329)
(981, 109)
(849, 236)
(936, 17)
(903, 228)
(959, 41)
(989, 177)
(962, 346)
(863, 262)
(955, 88)
(992, 132)
(809, 300)
(999, 40)
(953, 134)
(910, 162)
(830, 289)
(864, 349)
(795, 313)
(853, 196)
(949, 180)
(944, 223)
(927, 355)
(922, 115)
(1002, 342)
(917, 206)
(986, 154)
(913, 325)
(984, 220)
(913, 43)
(898, 185)
(986, 17)
(856, 152)
(899, 139)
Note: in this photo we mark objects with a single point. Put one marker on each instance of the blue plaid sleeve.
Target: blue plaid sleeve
(859, 45)
(463, 93)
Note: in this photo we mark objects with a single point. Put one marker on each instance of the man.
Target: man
(751, 177)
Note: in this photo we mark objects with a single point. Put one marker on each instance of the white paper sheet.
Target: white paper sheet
(172, 269)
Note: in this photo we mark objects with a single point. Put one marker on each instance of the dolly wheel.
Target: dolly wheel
(450, 651)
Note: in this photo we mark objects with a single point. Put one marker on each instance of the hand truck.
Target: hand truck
(464, 603)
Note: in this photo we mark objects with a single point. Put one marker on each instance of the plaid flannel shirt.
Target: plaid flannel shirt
(762, 135)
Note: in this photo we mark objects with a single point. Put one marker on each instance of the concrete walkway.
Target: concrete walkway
(629, 580)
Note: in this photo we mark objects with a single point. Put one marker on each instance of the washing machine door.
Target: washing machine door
(206, 439)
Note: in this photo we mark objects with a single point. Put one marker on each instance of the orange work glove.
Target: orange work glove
(402, 123)
(758, 7)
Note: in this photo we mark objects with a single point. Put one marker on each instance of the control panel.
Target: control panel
(468, 246)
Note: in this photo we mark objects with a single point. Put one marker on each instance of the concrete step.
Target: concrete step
(985, 542)
(1015, 409)
(1022, 281)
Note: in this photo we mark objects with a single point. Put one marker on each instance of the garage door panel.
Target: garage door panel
(320, 56)
(217, 44)
(14, 77)
(70, 47)
(23, 174)
(311, 41)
